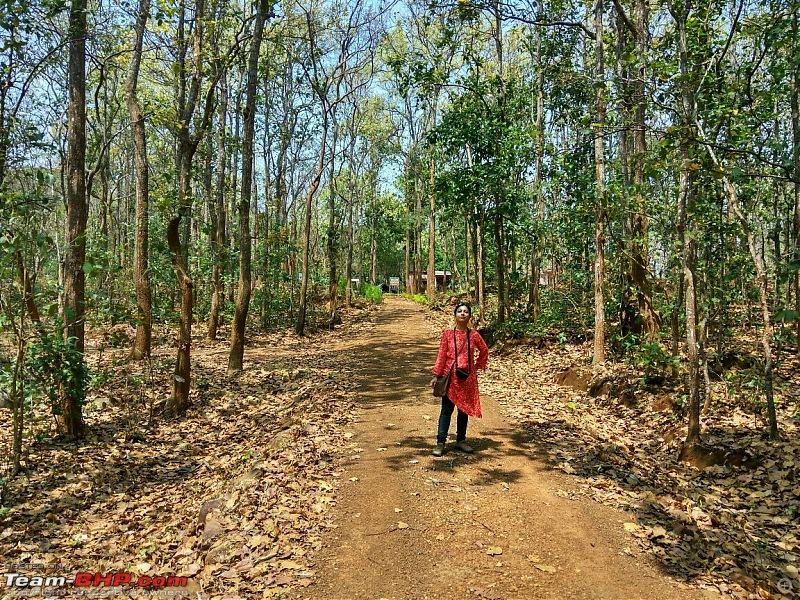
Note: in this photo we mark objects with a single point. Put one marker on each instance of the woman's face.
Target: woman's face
(462, 315)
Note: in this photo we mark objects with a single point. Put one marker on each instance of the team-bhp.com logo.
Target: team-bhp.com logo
(92, 580)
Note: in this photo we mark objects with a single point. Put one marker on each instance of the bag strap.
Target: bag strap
(468, 344)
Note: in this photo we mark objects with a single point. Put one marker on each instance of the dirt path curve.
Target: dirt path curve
(411, 526)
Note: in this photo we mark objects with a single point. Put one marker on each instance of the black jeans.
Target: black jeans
(444, 422)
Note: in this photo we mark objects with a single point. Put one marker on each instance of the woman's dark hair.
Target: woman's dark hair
(460, 304)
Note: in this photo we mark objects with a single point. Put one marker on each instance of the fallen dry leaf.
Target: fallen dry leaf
(545, 568)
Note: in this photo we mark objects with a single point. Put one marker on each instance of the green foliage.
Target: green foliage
(57, 365)
(650, 357)
(373, 293)
(418, 298)
(560, 319)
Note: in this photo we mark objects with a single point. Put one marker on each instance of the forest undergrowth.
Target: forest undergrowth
(236, 494)
(233, 495)
(729, 519)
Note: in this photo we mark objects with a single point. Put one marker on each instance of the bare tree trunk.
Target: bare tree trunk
(17, 399)
(234, 168)
(269, 195)
(628, 313)
(418, 231)
(411, 285)
(181, 382)
(639, 244)
(686, 231)
(763, 286)
(480, 264)
(70, 418)
(444, 262)
(309, 205)
(182, 374)
(141, 273)
(27, 289)
(692, 341)
(348, 275)
(300, 326)
(373, 236)
(351, 201)
(500, 269)
(599, 355)
(236, 356)
(432, 235)
(795, 103)
(333, 235)
(188, 97)
(456, 270)
(218, 220)
(534, 299)
(467, 256)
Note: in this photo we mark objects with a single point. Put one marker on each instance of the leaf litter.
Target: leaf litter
(732, 526)
(235, 495)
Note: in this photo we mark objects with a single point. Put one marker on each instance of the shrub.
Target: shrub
(373, 293)
(418, 298)
(57, 364)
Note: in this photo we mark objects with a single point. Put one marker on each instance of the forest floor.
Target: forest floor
(309, 475)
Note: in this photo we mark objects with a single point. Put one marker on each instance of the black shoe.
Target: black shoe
(464, 447)
(439, 450)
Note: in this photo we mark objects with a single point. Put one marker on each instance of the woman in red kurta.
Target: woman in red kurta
(456, 356)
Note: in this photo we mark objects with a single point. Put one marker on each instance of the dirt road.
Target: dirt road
(489, 525)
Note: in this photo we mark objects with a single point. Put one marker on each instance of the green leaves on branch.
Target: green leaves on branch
(57, 365)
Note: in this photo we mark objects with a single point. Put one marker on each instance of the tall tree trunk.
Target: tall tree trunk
(269, 196)
(181, 380)
(27, 289)
(480, 263)
(300, 325)
(500, 269)
(411, 284)
(373, 234)
(456, 280)
(763, 286)
(235, 153)
(624, 31)
(417, 229)
(348, 275)
(17, 392)
(432, 235)
(70, 417)
(236, 356)
(692, 338)
(351, 201)
(795, 103)
(188, 96)
(332, 240)
(218, 220)
(534, 299)
(599, 355)
(639, 231)
(141, 271)
(445, 258)
(467, 256)
(687, 231)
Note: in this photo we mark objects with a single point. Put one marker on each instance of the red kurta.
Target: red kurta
(464, 394)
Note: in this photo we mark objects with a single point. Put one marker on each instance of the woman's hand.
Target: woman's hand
(433, 381)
